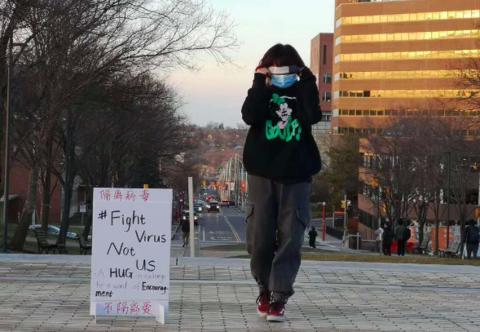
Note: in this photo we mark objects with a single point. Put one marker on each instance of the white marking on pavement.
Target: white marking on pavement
(235, 234)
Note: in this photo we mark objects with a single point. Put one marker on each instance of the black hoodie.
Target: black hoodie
(279, 144)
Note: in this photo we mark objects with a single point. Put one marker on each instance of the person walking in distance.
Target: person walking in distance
(312, 237)
(387, 238)
(472, 238)
(280, 156)
(407, 233)
(186, 232)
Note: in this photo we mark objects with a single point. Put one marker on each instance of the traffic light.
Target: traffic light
(243, 186)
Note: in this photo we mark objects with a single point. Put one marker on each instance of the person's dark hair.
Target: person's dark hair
(282, 55)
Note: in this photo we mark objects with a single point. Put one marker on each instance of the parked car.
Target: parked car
(213, 206)
(54, 230)
(186, 216)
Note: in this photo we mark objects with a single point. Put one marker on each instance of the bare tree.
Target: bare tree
(73, 45)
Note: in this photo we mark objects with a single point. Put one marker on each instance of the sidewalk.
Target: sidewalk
(51, 293)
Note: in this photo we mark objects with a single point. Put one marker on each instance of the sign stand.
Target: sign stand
(130, 273)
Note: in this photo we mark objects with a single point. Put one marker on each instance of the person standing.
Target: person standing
(472, 238)
(387, 240)
(280, 157)
(379, 238)
(312, 237)
(407, 234)
(399, 236)
(186, 232)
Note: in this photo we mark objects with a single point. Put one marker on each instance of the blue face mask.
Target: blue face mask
(284, 81)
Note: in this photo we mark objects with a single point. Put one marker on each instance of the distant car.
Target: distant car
(186, 216)
(213, 206)
(198, 206)
(54, 230)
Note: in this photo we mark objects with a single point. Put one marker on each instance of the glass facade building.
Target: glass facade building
(396, 57)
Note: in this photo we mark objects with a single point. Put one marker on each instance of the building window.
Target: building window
(404, 36)
(327, 78)
(327, 97)
(391, 18)
(326, 118)
(409, 93)
(413, 55)
(324, 54)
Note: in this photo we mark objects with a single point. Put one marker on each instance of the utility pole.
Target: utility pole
(448, 196)
(345, 222)
(379, 214)
(191, 215)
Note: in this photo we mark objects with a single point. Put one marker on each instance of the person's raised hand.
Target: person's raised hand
(262, 70)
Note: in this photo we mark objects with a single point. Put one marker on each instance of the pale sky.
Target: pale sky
(215, 93)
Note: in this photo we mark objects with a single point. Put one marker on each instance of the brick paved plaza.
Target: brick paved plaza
(51, 293)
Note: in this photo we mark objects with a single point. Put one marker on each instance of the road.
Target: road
(227, 226)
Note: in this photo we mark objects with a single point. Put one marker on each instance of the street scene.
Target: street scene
(218, 165)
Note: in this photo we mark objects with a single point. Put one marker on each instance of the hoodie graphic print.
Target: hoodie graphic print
(284, 127)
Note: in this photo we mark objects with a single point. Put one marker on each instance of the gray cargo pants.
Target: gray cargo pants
(277, 217)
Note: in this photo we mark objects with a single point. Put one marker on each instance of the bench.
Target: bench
(423, 247)
(452, 250)
(85, 247)
(42, 241)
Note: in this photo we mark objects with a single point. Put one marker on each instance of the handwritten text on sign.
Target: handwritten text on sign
(131, 251)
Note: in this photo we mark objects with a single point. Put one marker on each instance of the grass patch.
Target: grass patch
(227, 247)
(409, 259)
(31, 247)
(328, 256)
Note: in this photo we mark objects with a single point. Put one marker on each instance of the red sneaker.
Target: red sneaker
(263, 301)
(276, 312)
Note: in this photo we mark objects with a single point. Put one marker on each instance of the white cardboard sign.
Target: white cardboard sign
(131, 252)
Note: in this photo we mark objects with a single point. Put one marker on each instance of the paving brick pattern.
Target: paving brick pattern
(219, 295)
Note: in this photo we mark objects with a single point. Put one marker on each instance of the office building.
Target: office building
(394, 58)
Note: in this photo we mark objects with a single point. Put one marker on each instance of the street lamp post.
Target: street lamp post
(448, 196)
(478, 200)
(345, 222)
(324, 222)
(6, 165)
(476, 169)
